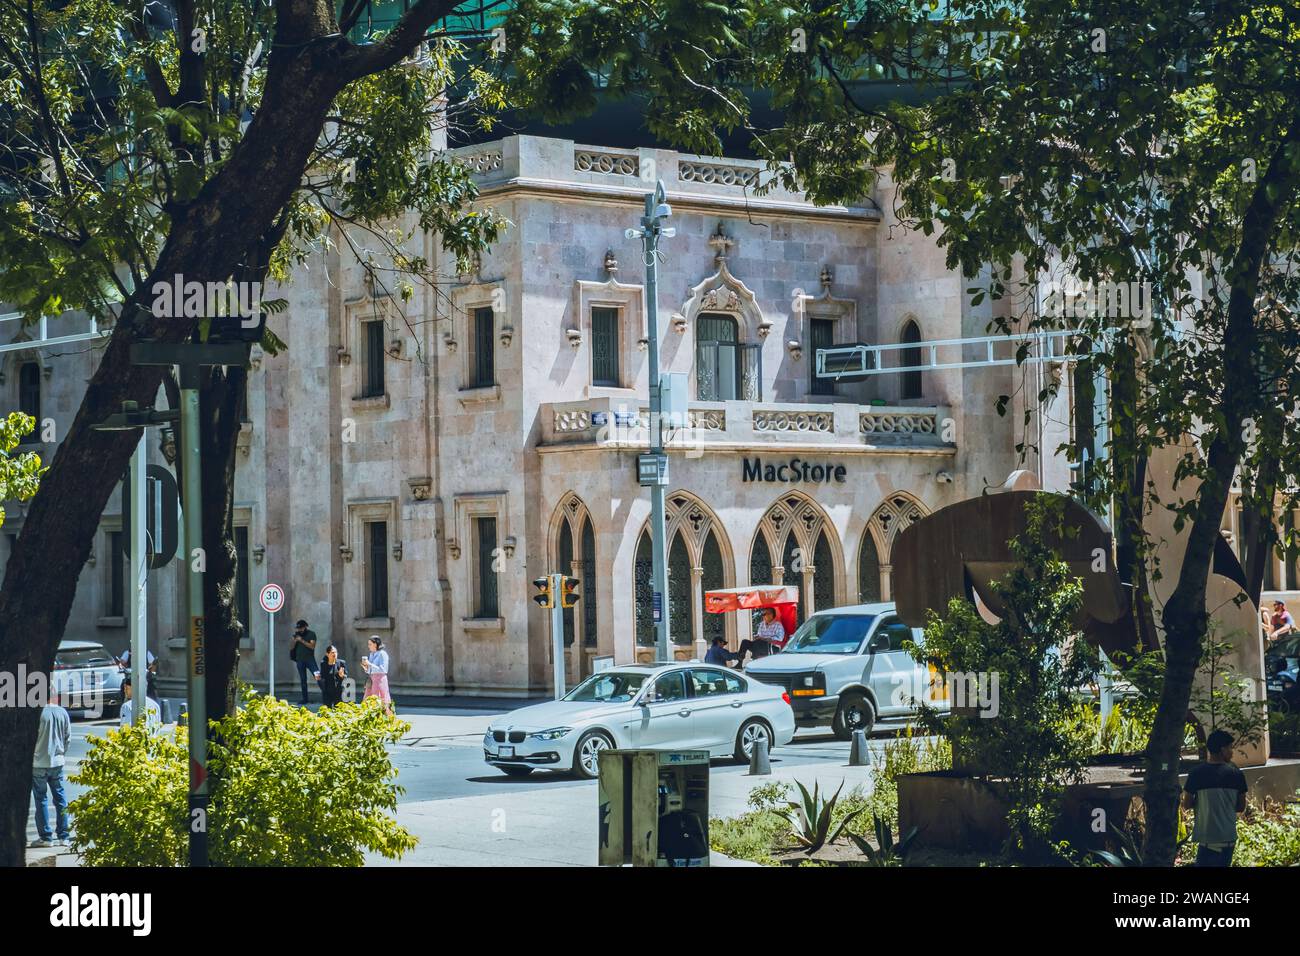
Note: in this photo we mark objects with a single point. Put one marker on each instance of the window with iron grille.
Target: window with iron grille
(821, 335)
(486, 603)
(482, 359)
(375, 334)
(377, 569)
(604, 346)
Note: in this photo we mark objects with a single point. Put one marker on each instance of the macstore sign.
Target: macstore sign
(794, 470)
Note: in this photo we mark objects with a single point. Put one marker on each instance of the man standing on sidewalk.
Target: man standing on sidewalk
(47, 773)
(304, 655)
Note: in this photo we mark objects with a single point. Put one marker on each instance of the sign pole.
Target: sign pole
(557, 633)
(270, 652)
(198, 708)
(139, 570)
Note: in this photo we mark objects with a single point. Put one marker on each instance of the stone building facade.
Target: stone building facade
(409, 466)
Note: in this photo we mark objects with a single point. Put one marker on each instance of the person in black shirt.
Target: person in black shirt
(304, 655)
(1216, 792)
(331, 676)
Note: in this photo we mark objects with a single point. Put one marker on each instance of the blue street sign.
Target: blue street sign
(658, 607)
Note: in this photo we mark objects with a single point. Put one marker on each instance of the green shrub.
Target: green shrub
(1269, 835)
(289, 788)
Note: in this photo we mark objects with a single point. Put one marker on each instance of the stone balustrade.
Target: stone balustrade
(611, 422)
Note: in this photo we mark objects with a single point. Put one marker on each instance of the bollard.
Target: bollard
(859, 755)
(759, 764)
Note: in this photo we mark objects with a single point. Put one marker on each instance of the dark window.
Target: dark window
(679, 592)
(242, 605)
(643, 589)
(604, 347)
(896, 631)
(868, 571)
(482, 364)
(377, 546)
(486, 604)
(821, 334)
(566, 563)
(911, 387)
(671, 686)
(29, 398)
(116, 576)
(709, 683)
(588, 592)
(724, 368)
(374, 359)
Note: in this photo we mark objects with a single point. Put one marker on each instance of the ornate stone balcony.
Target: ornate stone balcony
(535, 163)
(611, 423)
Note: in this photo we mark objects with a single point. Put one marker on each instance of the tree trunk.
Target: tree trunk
(221, 401)
(210, 239)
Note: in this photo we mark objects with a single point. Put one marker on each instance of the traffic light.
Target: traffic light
(545, 598)
(569, 592)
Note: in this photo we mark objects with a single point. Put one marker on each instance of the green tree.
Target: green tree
(20, 474)
(1129, 141)
(1024, 735)
(216, 143)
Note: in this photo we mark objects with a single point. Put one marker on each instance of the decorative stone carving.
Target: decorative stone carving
(449, 342)
(796, 349)
(611, 263)
(771, 421)
(898, 423)
(574, 336)
(507, 335)
(572, 420)
(244, 440)
(720, 174)
(259, 554)
(600, 161)
(481, 163)
(509, 545)
(344, 356)
(720, 300)
(255, 355)
(679, 323)
(421, 487)
(453, 548)
(345, 552)
(397, 551)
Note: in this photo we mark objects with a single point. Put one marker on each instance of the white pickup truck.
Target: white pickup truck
(846, 667)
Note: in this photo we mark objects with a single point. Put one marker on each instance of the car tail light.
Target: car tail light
(785, 696)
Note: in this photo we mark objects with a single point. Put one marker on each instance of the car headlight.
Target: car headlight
(555, 733)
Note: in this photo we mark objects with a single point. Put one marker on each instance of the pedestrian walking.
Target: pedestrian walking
(47, 773)
(152, 713)
(333, 672)
(1215, 792)
(376, 666)
(303, 653)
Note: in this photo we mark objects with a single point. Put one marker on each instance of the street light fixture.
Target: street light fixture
(652, 469)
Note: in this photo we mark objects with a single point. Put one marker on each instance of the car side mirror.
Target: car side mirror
(647, 698)
(878, 643)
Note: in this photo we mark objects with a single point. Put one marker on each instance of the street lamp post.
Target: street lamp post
(656, 209)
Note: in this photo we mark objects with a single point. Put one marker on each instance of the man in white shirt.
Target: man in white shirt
(152, 715)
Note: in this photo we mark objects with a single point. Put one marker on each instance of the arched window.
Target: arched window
(868, 571)
(715, 625)
(679, 592)
(911, 386)
(824, 575)
(644, 573)
(760, 561)
(793, 561)
(588, 592)
(566, 563)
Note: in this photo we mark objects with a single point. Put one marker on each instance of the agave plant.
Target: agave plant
(1130, 852)
(810, 818)
(886, 852)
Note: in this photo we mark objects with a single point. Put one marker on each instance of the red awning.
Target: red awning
(784, 598)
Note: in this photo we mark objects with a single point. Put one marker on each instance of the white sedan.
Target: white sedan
(679, 706)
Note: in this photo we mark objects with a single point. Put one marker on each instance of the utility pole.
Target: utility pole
(139, 583)
(652, 469)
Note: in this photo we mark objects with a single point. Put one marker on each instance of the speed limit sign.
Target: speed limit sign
(272, 598)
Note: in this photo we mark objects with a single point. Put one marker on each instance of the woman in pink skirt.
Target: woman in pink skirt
(376, 665)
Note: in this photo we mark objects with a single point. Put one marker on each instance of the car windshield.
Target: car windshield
(82, 657)
(830, 634)
(608, 687)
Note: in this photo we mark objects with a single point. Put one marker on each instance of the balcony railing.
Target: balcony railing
(607, 422)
